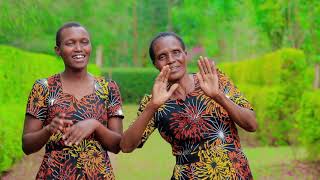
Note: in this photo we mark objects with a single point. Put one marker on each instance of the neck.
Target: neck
(186, 83)
(72, 74)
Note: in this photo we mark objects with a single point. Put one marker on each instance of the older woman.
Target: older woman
(77, 116)
(195, 113)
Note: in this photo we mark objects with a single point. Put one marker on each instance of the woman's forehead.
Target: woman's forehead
(74, 32)
(167, 42)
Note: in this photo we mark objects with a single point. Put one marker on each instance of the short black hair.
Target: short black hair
(65, 26)
(161, 35)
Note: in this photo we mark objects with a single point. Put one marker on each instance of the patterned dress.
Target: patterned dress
(88, 160)
(204, 139)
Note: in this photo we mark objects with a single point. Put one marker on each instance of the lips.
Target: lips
(174, 68)
(79, 57)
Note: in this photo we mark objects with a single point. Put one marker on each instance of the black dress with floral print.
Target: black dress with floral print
(204, 139)
(88, 160)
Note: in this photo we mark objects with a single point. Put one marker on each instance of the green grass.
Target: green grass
(155, 161)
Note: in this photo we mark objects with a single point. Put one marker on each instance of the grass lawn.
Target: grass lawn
(155, 161)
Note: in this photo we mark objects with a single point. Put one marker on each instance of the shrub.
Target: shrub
(133, 82)
(308, 123)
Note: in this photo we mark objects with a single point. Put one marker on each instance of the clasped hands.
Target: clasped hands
(73, 133)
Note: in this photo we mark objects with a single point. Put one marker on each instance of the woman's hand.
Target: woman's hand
(58, 124)
(208, 77)
(76, 133)
(160, 92)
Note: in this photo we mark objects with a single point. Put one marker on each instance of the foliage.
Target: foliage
(11, 120)
(133, 82)
(308, 123)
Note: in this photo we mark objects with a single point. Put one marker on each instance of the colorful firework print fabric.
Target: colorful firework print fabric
(203, 138)
(88, 160)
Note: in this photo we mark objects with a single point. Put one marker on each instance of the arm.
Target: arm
(35, 136)
(160, 94)
(110, 137)
(132, 136)
(209, 83)
(244, 117)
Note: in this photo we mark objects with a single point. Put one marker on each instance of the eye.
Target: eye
(176, 52)
(69, 43)
(162, 57)
(85, 41)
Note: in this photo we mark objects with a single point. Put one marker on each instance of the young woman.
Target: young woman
(77, 116)
(196, 114)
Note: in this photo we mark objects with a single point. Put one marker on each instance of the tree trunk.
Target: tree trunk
(99, 56)
(316, 83)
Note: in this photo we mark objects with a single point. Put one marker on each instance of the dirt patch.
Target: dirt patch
(27, 168)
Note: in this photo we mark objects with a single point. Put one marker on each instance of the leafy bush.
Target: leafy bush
(133, 82)
(308, 123)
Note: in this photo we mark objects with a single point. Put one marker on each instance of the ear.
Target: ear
(57, 50)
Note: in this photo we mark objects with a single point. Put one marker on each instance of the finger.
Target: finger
(165, 71)
(208, 65)
(204, 67)
(60, 124)
(167, 75)
(68, 132)
(61, 115)
(74, 137)
(213, 68)
(159, 77)
(67, 123)
(80, 139)
(173, 88)
(200, 67)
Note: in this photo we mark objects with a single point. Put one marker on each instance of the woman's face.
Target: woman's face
(75, 47)
(168, 51)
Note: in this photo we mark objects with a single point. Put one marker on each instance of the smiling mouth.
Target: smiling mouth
(174, 68)
(78, 57)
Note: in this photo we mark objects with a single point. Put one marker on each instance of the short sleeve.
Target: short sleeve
(151, 125)
(232, 92)
(114, 107)
(37, 101)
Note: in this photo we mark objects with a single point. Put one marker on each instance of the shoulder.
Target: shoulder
(144, 101)
(105, 82)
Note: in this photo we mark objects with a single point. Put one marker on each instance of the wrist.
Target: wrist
(153, 106)
(218, 96)
(47, 129)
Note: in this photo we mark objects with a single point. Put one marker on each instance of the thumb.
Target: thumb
(173, 88)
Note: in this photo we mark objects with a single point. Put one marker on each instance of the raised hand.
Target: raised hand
(208, 77)
(58, 124)
(77, 132)
(160, 92)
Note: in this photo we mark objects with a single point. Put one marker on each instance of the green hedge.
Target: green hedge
(308, 123)
(133, 82)
(18, 71)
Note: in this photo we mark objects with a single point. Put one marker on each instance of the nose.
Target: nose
(171, 59)
(78, 47)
